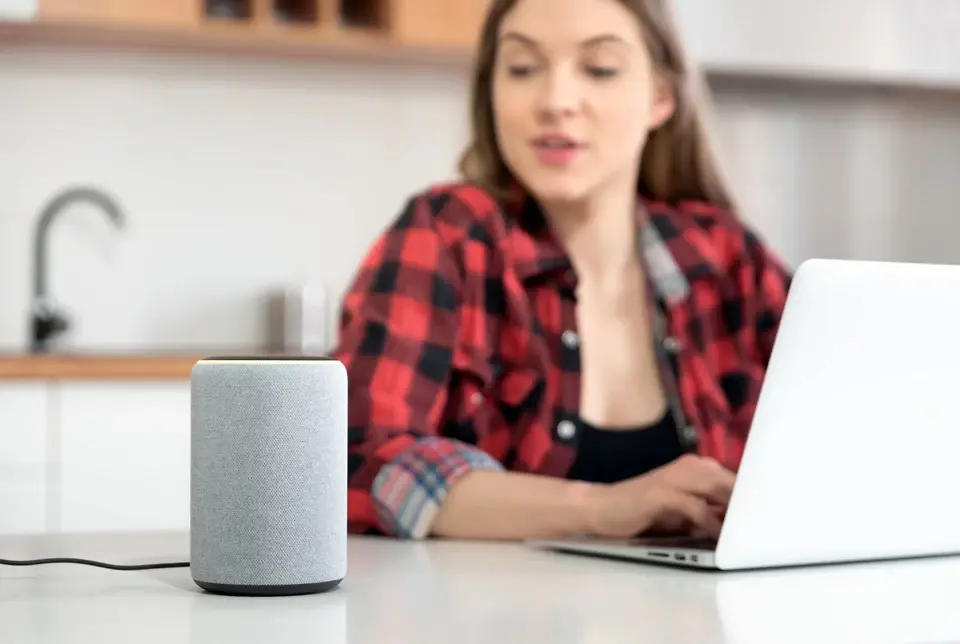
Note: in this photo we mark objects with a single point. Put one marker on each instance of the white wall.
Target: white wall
(241, 176)
(238, 176)
(837, 171)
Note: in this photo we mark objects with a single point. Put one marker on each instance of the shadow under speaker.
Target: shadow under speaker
(268, 488)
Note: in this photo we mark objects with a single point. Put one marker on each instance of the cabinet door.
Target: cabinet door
(125, 456)
(23, 457)
(438, 22)
(142, 13)
(859, 37)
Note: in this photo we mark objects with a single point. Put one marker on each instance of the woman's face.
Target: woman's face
(574, 96)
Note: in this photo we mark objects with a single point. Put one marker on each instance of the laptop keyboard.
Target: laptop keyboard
(696, 543)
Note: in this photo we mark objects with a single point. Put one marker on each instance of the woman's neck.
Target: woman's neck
(599, 234)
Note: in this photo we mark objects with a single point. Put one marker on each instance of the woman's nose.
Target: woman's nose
(560, 93)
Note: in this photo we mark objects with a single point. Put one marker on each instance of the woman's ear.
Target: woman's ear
(664, 102)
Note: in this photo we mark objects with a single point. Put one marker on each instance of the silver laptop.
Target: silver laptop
(854, 451)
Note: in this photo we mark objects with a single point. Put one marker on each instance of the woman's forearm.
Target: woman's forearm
(514, 506)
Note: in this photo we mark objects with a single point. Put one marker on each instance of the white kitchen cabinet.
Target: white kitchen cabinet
(837, 37)
(23, 457)
(124, 456)
(930, 47)
(18, 10)
(860, 41)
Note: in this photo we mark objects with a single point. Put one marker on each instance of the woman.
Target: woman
(571, 340)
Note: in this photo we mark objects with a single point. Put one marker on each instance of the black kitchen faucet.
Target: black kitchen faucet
(46, 321)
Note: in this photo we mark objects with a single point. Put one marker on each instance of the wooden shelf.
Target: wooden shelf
(93, 367)
(382, 31)
(363, 14)
(278, 41)
(90, 366)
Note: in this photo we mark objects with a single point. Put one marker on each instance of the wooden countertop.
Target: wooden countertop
(82, 366)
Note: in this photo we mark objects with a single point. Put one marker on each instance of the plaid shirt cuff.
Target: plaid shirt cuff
(409, 490)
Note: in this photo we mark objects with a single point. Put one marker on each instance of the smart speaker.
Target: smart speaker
(268, 488)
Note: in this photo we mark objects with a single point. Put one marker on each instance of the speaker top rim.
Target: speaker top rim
(280, 359)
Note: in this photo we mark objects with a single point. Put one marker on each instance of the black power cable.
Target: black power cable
(91, 562)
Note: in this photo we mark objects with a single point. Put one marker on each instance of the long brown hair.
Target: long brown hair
(678, 161)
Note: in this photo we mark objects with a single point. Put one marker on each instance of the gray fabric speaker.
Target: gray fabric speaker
(268, 489)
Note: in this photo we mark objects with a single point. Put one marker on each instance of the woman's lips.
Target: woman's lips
(556, 150)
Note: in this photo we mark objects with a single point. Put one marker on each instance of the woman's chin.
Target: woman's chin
(558, 190)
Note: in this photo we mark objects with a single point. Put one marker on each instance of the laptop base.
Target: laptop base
(688, 553)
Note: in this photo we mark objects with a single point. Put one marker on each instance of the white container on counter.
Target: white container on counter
(305, 319)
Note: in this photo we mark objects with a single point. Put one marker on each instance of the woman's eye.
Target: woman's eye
(601, 72)
(519, 71)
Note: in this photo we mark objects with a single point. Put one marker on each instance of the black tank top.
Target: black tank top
(610, 456)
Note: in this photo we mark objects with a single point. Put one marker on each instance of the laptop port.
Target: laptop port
(695, 558)
(654, 553)
(679, 557)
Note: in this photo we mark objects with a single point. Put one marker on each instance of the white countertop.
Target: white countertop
(461, 593)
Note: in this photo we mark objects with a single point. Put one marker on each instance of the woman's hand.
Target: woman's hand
(691, 492)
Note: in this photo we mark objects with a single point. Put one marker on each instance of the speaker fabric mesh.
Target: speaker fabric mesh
(268, 472)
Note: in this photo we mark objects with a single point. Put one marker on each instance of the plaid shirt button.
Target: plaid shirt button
(566, 430)
(570, 339)
(690, 434)
(673, 345)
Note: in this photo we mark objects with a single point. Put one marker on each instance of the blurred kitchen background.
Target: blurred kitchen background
(258, 146)
(254, 167)
(245, 170)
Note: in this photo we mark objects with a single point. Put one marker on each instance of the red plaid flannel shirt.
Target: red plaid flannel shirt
(459, 337)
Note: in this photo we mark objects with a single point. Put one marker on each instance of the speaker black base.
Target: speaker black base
(268, 591)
